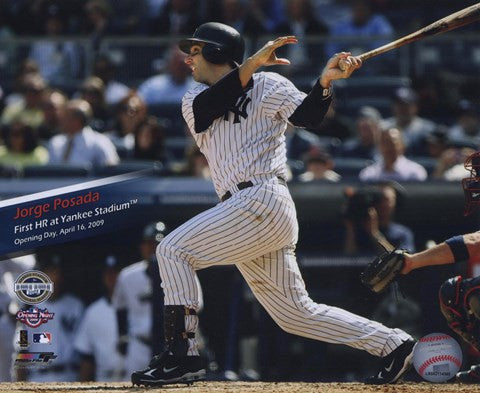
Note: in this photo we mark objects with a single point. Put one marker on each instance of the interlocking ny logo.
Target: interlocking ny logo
(239, 109)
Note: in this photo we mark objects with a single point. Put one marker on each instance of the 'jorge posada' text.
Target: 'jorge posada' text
(59, 203)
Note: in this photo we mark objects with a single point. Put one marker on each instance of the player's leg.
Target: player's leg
(244, 227)
(276, 281)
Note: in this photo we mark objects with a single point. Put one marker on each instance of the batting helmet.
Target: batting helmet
(223, 44)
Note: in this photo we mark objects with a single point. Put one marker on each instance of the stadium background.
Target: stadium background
(135, 37)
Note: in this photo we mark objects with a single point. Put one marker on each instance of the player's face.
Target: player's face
(197, 63)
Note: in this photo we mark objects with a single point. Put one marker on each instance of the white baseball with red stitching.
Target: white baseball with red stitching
(437, 357)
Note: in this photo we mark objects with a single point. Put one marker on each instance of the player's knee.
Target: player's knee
(472, 241)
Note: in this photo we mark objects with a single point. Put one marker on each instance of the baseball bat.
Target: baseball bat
(450, 22)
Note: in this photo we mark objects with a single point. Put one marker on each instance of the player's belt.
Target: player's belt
(248, 184)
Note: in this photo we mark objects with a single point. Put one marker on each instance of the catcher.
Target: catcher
(459, 298)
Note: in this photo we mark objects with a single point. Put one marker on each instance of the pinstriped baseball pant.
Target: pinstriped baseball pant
(256, 229)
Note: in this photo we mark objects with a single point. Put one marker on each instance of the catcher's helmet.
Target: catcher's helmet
(471, 185)
(223, 44)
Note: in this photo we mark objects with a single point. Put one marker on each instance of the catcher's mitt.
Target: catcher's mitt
(378, 274)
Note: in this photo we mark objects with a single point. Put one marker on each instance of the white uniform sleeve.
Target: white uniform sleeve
(187, 106)
(82, 341)
(281, 99)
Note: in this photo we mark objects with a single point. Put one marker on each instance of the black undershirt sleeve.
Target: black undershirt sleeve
(310, 113)
(216, 100)
(122, 321)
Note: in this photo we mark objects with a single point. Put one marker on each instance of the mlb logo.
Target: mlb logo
(42, 338)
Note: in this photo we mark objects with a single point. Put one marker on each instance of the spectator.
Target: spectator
(150, 140)
(154, 10)
(239, 15)
(369, 218)
(405, 118)
(319, 166)
(300, 142)
(59, 61)
(63, 327)
(97, 336)
(393, 165)
(269, 12)
(6, 35)
(105, 69)
(93, 91)
(301, 22)
(131, 112)
(196, 164)
(128, 16)
(177, 18)
(79, 144)
(365, 143)
(467, 125)
(432, 144)
(362, 23)
(21, 147)
(53, 102)
(169, 87)
(98, 23)
(450, 164)
(28, 109)
(334, 124)
(26, 67)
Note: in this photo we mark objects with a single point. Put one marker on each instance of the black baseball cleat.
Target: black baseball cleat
(166, 369)
(394, 365)
(470, 376)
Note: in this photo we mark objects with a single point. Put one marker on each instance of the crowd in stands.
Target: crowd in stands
(104, 120)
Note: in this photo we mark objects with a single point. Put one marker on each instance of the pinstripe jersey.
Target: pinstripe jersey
(256, 228)
(248, 142)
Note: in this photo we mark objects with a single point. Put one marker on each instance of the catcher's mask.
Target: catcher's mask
(471, 184)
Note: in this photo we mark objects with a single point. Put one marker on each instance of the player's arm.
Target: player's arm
(455, 249)
(310, 113)
(213, 102)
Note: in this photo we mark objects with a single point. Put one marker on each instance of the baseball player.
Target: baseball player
(238, 118)
(459, 297)
(134, 297)
(97, 335)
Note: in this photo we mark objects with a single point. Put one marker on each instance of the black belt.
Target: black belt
(248, 184)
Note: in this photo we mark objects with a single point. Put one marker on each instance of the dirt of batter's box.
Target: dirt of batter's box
(237, 387)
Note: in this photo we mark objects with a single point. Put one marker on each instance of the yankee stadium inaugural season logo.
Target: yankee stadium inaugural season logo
(34, 316)
(33, 287)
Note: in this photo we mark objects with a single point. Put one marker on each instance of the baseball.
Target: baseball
(437, 357)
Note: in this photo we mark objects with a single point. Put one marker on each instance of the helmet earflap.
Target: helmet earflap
(215, 54)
